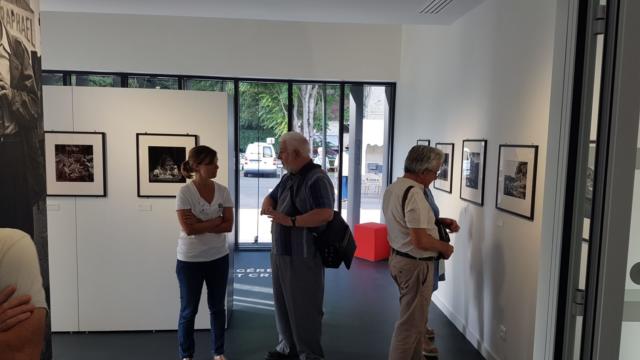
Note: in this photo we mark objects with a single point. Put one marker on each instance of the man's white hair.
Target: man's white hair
(296, 141)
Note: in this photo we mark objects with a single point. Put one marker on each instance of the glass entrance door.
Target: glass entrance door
(599, 307)
(263, 118)
(316, 115)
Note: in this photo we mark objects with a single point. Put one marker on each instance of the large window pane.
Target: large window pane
(209, 85)
(153, 82)
(263, 118)
(96, 80)
(316, 116)
(53, 79)
(373, 127)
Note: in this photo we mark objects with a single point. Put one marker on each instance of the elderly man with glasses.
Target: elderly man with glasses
(413, 236)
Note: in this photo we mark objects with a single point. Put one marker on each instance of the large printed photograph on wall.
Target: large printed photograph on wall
(159, 159)
(444, 181)
(516, 185)
(75, 163)
(22, 172)
(22, 194)
(473, 168)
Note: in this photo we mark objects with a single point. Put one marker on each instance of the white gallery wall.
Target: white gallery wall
(487, 76)
(112, 259)
(222, 47)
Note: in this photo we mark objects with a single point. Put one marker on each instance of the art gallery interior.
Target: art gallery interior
(531, 103)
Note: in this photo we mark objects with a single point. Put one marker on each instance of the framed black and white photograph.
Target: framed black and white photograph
(516, 185)
(444, 181)
(423, 142)
(75, 163)
(159, 159)
(474, 154)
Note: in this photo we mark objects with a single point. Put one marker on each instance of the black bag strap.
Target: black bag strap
(292, 196)
(404, 199)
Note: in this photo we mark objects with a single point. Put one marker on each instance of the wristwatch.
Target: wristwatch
(293, 221)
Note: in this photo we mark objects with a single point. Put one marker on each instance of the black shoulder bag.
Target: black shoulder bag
(334, 242)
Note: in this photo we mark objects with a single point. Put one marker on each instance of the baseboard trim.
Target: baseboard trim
(464, 329)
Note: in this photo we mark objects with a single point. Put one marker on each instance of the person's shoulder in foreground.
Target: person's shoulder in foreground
(21, 322)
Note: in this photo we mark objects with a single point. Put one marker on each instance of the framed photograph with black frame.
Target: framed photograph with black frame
(474, 153)
(516, 185)
(159, 157)
(444, 181)
(423, 142)
(75, 163)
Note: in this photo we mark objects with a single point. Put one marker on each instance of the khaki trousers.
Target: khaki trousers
(415, 283)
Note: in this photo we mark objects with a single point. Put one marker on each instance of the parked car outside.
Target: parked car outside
(260, 160)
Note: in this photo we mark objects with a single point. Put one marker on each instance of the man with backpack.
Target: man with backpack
(415, 245)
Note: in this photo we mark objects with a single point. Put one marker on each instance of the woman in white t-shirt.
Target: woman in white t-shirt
(205, 213)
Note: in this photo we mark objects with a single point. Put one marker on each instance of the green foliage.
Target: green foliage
(52, 79)
(210, 85)
(151, 82)
(264, 106)
(249, 136)
(96, 80)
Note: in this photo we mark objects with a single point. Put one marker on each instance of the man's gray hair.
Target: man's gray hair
(421, 158)
(296, 141)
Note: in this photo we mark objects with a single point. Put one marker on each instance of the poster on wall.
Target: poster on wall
(444, 181)
(516, 185)
(75, 163)
(423, 142)
(22, 194)
(159, 159)
(473, 168)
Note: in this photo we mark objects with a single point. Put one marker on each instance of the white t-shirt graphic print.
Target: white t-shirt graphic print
(207, 246)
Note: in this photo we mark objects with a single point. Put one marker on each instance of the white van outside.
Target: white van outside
(261, 159)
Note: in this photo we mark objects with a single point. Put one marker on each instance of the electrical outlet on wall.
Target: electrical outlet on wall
(502, 333)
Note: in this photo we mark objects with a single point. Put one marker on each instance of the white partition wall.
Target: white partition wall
(113, 258)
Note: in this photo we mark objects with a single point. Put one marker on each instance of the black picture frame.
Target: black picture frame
(444, 182)
(153, 149)
(75, 163)
(423, 142)
(472, 179)
(516, 179)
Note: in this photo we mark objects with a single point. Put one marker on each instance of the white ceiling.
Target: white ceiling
(327, 11)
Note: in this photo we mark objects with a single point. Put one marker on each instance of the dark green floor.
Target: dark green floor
(361, 306)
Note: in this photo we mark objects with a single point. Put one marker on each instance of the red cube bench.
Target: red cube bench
(371, 241)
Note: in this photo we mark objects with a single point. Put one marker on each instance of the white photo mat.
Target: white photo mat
(95, 143)
(517, 167)
(146, 188)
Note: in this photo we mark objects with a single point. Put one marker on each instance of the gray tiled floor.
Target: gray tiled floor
(361, 307)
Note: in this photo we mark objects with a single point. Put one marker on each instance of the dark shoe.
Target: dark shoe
(276, 355)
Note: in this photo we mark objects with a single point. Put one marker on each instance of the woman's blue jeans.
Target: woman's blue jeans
(191, 276)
